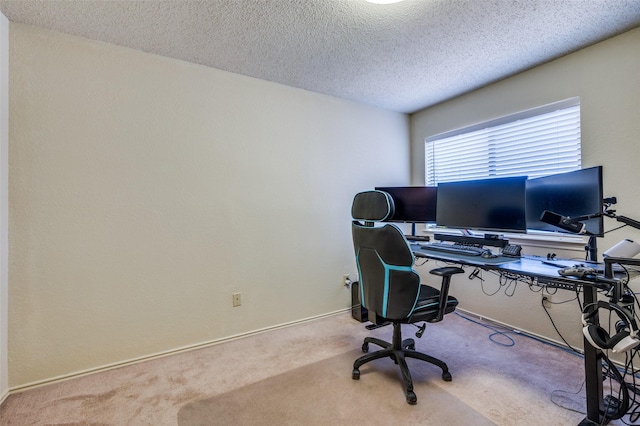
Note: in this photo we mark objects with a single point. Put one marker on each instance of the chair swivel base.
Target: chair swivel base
(399, 350)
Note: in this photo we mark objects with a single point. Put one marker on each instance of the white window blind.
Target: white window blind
(533, 143)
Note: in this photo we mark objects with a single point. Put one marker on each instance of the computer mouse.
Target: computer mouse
(487, 254)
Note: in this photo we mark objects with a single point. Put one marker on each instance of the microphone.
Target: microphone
(563, 222)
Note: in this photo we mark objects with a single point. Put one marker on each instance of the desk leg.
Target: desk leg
(593, 370)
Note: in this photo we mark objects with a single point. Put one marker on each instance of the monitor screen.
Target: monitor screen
(488, 204)
(571, 194)
(415, 204)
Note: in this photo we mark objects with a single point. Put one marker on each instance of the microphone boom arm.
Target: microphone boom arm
(586, 217)
(627, 221)
(608, 213)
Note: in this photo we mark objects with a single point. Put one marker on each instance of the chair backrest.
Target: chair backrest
(388, 284)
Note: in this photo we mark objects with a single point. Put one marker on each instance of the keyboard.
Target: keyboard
(456, 249)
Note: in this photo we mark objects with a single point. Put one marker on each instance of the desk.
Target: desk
(532, 270)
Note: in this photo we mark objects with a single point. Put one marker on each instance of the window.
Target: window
(533, 143)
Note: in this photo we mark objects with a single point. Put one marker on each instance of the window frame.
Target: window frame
(487, 131)
(532, 235)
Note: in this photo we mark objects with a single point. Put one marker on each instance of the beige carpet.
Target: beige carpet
(302, 375)
(323, 393)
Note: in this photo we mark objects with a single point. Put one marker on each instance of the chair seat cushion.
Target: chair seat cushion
(427, 305)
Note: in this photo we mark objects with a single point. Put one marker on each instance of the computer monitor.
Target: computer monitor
(489, 204)
(413, 204)
(571, 194)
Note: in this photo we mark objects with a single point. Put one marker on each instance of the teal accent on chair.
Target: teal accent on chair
(388, 268)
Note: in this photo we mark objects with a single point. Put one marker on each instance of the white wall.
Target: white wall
(4, 199)
(606, 78)
(144, 191)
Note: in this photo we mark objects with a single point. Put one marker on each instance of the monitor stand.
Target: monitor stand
(592, 249)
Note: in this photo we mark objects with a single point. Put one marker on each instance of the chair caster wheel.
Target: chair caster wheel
(365, 347)
(412, 399)
(355, 374)
(446, 376)
(412, 347)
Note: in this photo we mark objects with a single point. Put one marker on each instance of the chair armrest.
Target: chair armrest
(446, 273)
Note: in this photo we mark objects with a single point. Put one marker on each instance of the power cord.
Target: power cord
(559, 393)
(496, 332)
(554, 324)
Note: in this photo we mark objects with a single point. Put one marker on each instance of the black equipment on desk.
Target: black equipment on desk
(467, 245)
(512, 250)
(417, 238)
(487, 240)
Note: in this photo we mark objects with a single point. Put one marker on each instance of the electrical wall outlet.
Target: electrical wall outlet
(346, 281)
(237, 301)
(547, 300)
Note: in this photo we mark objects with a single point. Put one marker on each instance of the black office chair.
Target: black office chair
(390, 289)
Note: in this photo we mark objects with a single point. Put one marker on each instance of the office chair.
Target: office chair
(391, 290)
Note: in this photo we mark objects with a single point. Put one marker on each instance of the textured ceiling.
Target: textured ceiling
(403, 57)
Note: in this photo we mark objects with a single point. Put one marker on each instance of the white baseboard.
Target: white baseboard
(99, 369)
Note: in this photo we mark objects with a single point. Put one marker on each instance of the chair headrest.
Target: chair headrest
(372, 206)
